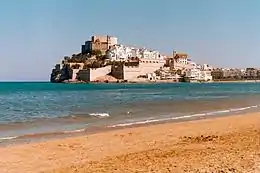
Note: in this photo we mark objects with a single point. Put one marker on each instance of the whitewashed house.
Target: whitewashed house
(199, 73)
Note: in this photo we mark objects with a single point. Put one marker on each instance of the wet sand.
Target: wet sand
(227, 144)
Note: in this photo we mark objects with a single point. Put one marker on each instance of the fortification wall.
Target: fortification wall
(95, 73)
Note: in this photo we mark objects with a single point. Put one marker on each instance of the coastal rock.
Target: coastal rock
(73, 82)
(60, 75)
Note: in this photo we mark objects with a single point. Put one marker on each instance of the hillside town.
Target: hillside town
(103, 59)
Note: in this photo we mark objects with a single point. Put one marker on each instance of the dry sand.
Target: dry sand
(220, 145)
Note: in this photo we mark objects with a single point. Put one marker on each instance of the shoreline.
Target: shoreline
(156, 82)
(85, 130)
(97, 151)
(237, 81)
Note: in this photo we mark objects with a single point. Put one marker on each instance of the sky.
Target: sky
(36, 34)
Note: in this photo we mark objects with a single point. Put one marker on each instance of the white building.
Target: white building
(181, 61)
(199, 75)
(148, 54)
(206, 67)
(119, 53)
(124, 53)
(199, 72)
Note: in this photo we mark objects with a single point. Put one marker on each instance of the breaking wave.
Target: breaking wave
(184, 117)
(8, 138)
(99, 114)
(36, 135)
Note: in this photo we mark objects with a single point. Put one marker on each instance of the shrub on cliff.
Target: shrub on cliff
(96, 52)
(75, 66)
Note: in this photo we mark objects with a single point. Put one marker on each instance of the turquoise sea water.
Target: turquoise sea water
(34, 108)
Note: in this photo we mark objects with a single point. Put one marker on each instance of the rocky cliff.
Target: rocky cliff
(61, 74)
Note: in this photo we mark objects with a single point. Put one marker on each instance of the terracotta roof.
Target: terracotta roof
(181, 55)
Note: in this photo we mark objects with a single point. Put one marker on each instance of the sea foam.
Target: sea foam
(8, 138)
(99, 114)
(74, 131)
(184, 117)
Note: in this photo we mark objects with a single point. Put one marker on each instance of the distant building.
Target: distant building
(135, 62)
(229, 74)
(125, 53)
(251, 73)
(199, 73)
(179, 61)
(131, 70)
(217, 74)
(167, 74)
(121, 53)
(206, 67)
(86, 47)
(102, 43)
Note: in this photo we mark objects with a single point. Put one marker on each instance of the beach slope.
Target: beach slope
(227, 144)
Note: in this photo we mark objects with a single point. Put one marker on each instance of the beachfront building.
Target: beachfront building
(236, 74)
(199, 72)
(198, 75)
(232, 73)
(217, 73)
(168, 74)
(252, 73)
(99, 43)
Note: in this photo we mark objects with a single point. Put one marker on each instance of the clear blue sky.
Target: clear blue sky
(36, 34)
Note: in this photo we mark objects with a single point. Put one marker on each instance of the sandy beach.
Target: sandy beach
(227, 144)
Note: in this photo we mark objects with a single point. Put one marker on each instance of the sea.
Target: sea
(41, 110)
